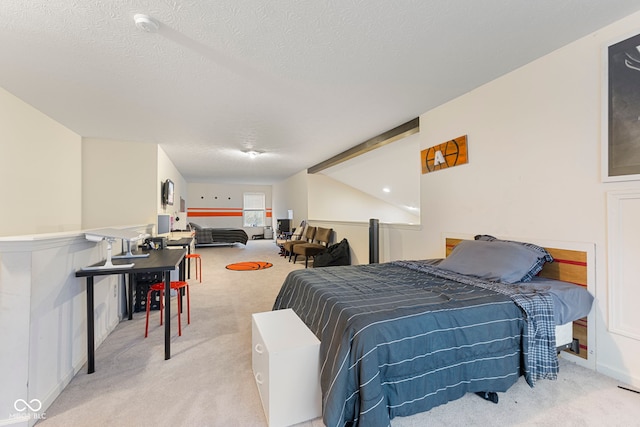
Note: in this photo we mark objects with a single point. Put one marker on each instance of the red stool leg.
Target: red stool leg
(179, 314)
(198, 265)
(188, 306)
(161, 305)
(177, 286)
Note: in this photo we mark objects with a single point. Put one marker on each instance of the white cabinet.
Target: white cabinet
(268, 233)
(286, 367)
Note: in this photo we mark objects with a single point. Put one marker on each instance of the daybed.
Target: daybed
(402, 337)
(218, 236)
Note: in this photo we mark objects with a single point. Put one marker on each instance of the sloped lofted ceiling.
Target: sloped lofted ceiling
(298, 81)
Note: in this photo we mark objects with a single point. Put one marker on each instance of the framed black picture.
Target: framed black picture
(621, 121)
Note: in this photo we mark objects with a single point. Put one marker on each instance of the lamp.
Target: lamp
(110, 235)
(129, 254)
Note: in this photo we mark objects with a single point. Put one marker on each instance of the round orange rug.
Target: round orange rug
(249, 266)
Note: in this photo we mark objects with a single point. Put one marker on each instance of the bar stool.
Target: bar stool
(159, 287)
(198, 259)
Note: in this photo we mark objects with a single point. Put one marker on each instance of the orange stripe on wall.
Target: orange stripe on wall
(214, 209)
(207, 212)
(200, 214)
(220, 209)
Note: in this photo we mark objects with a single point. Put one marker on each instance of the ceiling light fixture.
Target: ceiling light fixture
(386, 190)
(252, 153)
(146, 23)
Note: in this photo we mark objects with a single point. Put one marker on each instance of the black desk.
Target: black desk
(185, 243)
(157, 261)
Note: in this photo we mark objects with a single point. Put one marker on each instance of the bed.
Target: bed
(218, 236)
(403, 337)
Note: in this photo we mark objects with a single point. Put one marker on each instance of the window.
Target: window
(253, 210)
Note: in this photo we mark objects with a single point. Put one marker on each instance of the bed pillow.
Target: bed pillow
(495, 260)
(544, 255)
(195, 226)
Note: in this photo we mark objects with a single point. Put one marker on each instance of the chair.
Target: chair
(319, 244)
(282, 238)
(309, 233)
(159, 287)
(198, 259)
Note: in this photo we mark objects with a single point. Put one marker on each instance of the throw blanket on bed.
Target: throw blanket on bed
(540, 341)
(397, 341)
(207, 236)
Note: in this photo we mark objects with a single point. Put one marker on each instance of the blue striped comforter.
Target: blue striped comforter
(401, 338)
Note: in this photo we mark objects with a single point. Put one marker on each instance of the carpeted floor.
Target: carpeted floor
(208, 381)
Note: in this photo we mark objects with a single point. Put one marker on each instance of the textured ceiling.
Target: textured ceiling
(301, 81)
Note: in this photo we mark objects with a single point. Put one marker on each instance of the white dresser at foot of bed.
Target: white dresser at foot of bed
(285, 361)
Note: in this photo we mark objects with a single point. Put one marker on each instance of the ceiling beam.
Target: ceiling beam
(409, 128)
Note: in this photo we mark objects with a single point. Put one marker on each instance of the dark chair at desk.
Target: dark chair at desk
(159, 287)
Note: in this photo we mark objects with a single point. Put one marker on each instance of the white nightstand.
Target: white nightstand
(286, 367)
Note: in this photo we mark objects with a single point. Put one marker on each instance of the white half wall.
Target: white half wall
(43, 310)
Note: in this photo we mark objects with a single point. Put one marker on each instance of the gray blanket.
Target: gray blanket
(208, 236)
(396, 340)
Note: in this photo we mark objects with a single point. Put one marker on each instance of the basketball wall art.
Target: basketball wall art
(446, 155)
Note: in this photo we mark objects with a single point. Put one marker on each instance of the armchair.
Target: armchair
(307, 237)
(288, 236)
(315, 247)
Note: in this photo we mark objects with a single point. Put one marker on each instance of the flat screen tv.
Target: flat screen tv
(167, 192)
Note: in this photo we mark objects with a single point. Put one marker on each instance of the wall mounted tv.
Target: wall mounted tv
(167, 192)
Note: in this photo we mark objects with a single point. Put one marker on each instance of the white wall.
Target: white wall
(334, 201)
(225, 200)
(291, 194)
(167, 170)
(396, 241)
(119, 183)
(40, 171)
(534, 168)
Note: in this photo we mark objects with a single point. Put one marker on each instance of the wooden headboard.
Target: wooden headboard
(568, 265)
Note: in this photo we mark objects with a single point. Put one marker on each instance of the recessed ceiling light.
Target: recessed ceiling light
(252, 153)
(386, 190)
(146, 23)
